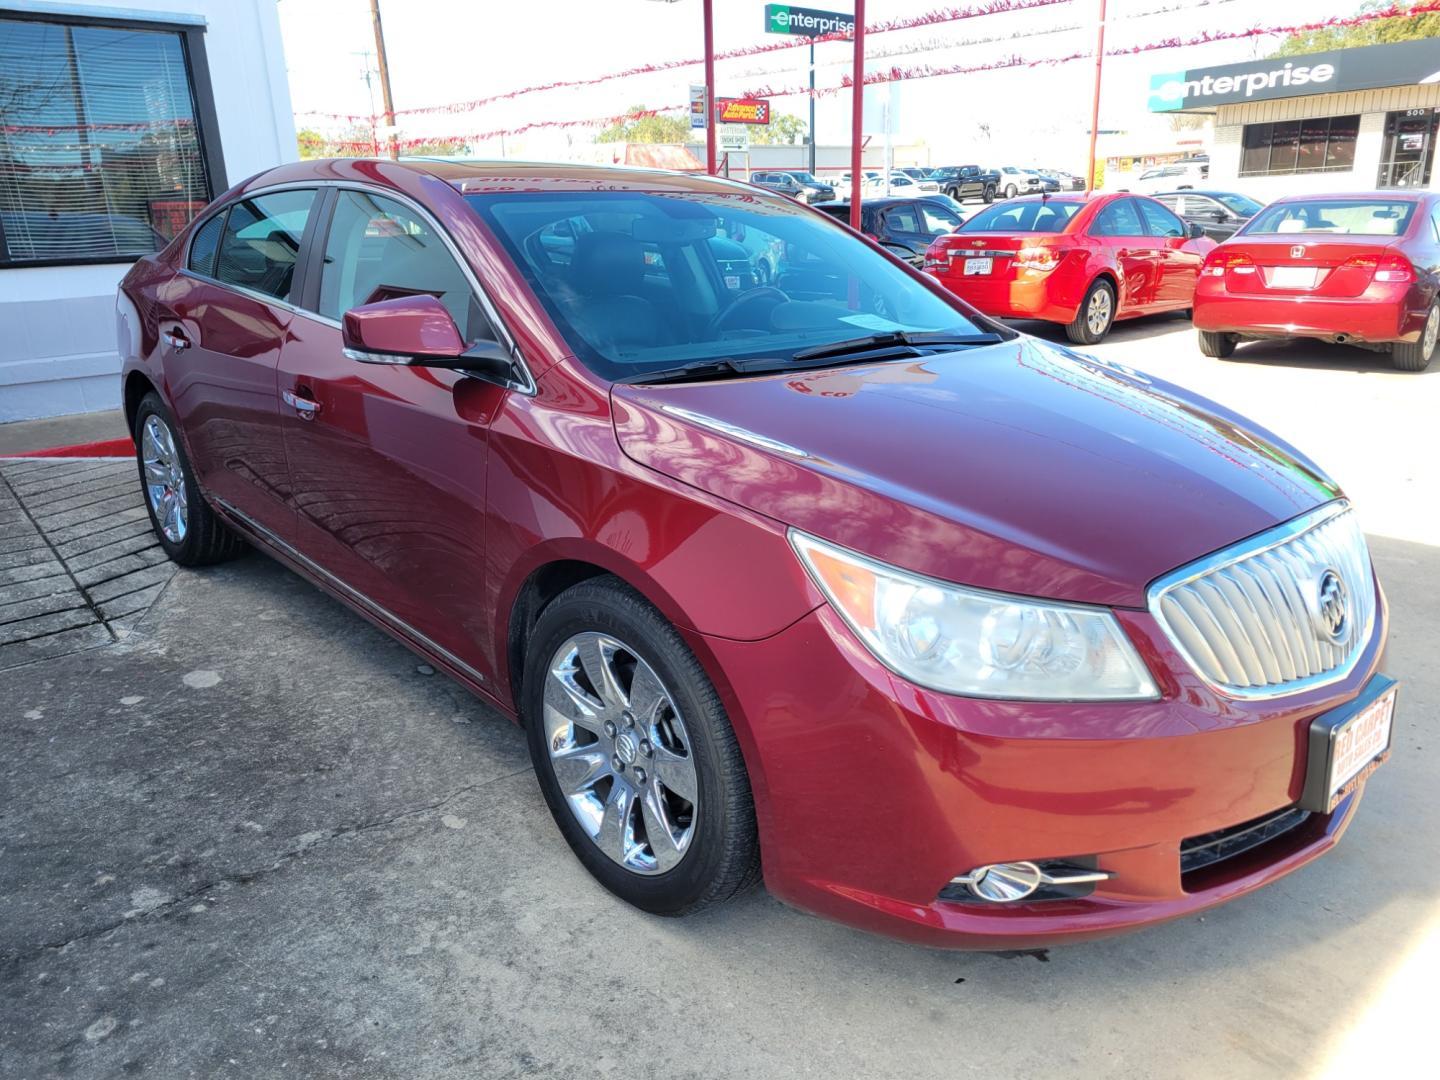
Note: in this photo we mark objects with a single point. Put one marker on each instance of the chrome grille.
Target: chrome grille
(1266, 617)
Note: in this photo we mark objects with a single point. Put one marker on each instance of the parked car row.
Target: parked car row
(1351, 269)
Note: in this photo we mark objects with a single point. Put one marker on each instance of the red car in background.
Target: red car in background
(1353, 269)
(1072, 259)
(980, 642)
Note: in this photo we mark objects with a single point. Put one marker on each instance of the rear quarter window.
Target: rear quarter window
(203, 245)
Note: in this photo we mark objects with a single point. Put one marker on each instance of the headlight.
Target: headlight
(981, 644)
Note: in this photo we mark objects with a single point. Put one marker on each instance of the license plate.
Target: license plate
(977, 266)
(1292, 277)
(1347, 745)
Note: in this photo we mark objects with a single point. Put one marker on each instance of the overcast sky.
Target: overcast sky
(444, 51)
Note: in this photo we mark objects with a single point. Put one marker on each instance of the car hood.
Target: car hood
(1021, 467)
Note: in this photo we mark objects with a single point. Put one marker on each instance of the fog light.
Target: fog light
(1002, 883)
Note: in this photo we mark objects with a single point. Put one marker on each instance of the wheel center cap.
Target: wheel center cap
(626, 747)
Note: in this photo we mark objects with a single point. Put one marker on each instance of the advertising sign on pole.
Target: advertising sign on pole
(807, 22)
(742, 111)
(697, 108)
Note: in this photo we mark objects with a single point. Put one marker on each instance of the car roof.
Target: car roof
(476, 176)
(1389, 196)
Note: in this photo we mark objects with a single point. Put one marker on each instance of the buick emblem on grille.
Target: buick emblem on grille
(1298, 251)
(1329, 608)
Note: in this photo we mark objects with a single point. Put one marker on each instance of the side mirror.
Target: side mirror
(418, 331)
(1196, 230)
(402, 330)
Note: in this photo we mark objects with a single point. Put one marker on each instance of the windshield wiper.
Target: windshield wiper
(919, 339)
(700, 369)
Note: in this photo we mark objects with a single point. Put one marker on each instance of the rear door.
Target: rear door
(1179, 256)
(1133, 252)
(223, 321)
(388, 461)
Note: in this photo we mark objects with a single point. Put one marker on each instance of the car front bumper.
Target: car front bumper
(873, 794)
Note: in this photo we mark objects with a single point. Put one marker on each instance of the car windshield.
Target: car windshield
(641, 282)
(1039, 216)
(804, 177)
(1240, 204)
(1347, 217)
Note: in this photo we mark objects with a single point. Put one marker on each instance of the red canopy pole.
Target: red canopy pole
(857, 178)
(1095, 105)
(709, 87)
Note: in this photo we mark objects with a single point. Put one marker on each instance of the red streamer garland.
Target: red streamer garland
(927, 71)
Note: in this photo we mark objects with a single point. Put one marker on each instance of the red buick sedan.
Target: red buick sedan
(951, 633)
(1353, 269)
(1084, 261)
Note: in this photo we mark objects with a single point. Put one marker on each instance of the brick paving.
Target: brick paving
(79, 564)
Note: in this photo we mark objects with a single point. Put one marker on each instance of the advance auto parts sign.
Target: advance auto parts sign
(807, 22)
(742, 111)
(1404, 63)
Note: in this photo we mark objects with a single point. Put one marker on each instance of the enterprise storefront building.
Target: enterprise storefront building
(1347, 120)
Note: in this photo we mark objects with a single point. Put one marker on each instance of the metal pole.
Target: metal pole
(384, 66)
(1095, 105)
(710, 87)
(857, 110)
(812, 106)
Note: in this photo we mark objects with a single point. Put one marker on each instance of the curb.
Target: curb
(122, 448)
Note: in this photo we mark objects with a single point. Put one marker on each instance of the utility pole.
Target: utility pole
(710, 132)
(857, 109)
(812, 106)
(384, 66)
(1095, 104)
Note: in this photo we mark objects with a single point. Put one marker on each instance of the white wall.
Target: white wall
(1372, 107)
(57, 325)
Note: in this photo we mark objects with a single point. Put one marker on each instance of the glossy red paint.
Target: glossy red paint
(434, 504)
(1351, 301)
(414, 326)
(1045, 275)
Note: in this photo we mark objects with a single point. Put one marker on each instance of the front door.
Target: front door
(222, 324)
(1408, 153)
(1178, 260)
(388, 462)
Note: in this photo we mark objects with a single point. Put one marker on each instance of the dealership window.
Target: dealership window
(101, 154)
(1323, 144)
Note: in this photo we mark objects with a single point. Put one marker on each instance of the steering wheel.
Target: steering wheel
(744, 300)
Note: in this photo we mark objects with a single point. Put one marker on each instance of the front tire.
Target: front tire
(1095, 315)
(188, 530)
(1416, 355)
(635, 754)
(1010, 191)
(1216, 344)
(989, 195)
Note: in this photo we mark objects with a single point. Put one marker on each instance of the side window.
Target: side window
(1158, 220)
(1118, 218)
(203, 245)
(938, 221)
(903, 219)
(379, 249)
(261, 241)
(1435, 223)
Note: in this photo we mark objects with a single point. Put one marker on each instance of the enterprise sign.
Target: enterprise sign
(1401, 64)
(807, 22)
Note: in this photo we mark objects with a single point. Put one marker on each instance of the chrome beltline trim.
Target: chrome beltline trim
(360, 598)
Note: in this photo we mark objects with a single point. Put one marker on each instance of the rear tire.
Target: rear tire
(664, 757)
(1216, 344)
(188, 530)
(1416, 355)
(1095, 315)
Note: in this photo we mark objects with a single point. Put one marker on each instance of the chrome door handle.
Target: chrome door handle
(176, 339)
(304, 406)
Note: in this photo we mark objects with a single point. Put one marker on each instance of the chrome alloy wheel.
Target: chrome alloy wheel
(1097, 312)
(1431, 335)
(620, 753)
(164, 479)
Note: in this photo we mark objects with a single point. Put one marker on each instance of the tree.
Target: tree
(640, 128)
(1375, 32)
(781, 129)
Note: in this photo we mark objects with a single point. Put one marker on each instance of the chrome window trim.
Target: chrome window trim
(507, 338)
(1240, 552)
(354, 594)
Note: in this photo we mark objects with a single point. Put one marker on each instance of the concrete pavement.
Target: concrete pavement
(252, 836)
